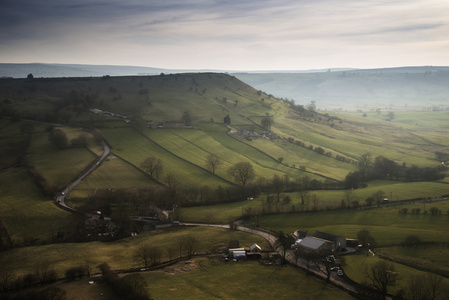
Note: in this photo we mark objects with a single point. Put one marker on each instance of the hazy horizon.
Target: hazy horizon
(246, 35)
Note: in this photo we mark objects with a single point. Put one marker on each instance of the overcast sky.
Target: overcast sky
(227, 34)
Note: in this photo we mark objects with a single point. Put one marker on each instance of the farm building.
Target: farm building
(314, 244)
(255, 248)
(237, 253)
(338, 242)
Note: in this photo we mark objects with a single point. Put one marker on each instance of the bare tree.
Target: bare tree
(304, 195)
(189, 243)
(381, 275)
(242, 172)
(152, 165)
(212, 162)
(365, 238)
(148, 254)
(285, 241)
(348, 197)
(425, 287)
(378, 196)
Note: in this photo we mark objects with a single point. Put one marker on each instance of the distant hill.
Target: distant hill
(332, 89)
(71, 70)
(395, 88)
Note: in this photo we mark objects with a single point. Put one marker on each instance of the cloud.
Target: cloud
(218, 33)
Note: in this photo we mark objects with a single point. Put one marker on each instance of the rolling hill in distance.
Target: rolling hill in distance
(402, 88)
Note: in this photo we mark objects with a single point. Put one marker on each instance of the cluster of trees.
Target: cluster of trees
(130, 287)
(60, 139)
(63, 111)
(434, 211)
(384, 168)
(43, 273)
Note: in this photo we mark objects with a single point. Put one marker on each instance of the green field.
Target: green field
(222, 213)
(135, 148)
(425, 256)
(121, 254)
(386, 225)
(113, 173)
(22, 207)
(213, 279)
(356, 265)
(59, 167)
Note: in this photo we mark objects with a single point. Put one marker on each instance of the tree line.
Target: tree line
(384, 168)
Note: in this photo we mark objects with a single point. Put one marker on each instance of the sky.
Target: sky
(227, 34)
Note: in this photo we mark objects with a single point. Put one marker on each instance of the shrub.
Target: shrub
(411, 240)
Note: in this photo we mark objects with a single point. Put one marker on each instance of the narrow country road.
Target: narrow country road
(60, 200)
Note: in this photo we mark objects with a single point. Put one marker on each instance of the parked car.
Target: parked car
(340, 273)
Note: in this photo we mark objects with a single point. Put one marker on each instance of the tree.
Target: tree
(304, 195)
(189, 243)
(227, 120)
(369, 201)
(153, 166)
(186, 118)
(148, 255)
(390, 116)
(30, 76)
(311, 106)
(242, 172)
(425, 287)
(212, 162)
(348, 196)
(381, 275)
(378, 196)
(365, 238)
(277, 185)
(365, 160)
(59, 138)
(412, 240)
(267, 122)
(285, 241)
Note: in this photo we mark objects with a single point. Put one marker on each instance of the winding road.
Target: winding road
(60, 200)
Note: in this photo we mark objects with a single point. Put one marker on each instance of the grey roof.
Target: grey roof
(312, 242)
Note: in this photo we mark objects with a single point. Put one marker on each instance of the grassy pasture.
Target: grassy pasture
(196, 145)
(113, 173)
(59, 167)
(356, 264)
(432, 256)
(300, 156)
(222, 213)
(213, 279)
(25, 212)
(120, 254)
(356, 135)
(135, 148)
(385, 224)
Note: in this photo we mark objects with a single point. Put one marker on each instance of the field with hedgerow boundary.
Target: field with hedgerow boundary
(209, 148)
